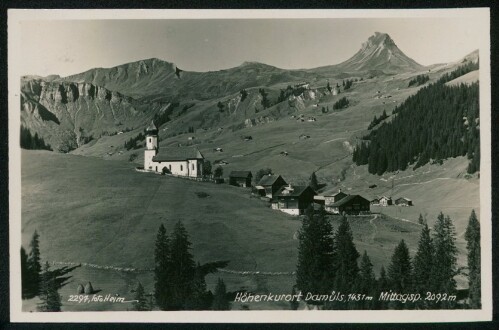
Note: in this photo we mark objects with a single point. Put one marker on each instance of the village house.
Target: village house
(182, 161)
(351, 204)
(402, 201)
(240, 178)
(293, 200)
(270, 184)
(375, 201)
(329, 199)
(385, 201)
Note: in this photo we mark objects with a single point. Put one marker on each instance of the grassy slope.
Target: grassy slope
(103, 212)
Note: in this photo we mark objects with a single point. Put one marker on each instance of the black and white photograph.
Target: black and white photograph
(250, 165)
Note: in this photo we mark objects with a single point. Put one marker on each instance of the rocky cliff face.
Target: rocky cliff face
(68, 114)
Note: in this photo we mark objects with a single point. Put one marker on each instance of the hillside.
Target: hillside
(112, 220)
(155, 79)
(68, 112)
(69, 115)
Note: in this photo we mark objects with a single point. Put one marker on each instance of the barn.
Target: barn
(293, 200)
(403, 201)
(240, 178)
(352, 204)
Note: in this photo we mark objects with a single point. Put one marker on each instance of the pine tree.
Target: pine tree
(293, 304)
(400, 271)
(472, 237)
(50, 299)
(423, 265)
(382, 286)
(367, 280)
(313, 182)
(220, 301)
(219, 172)
(200, 298)
(314, 272)
(445, 269)
(345, 257)
(140, 303)
(182, 266)
(162, 269)
(421, 220)
(34, 266)
(25, 285)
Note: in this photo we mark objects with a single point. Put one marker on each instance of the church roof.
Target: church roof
(177, 154)
(152, 128)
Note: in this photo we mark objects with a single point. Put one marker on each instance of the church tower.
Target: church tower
(151, 146)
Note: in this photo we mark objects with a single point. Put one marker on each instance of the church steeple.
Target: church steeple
(152, 137)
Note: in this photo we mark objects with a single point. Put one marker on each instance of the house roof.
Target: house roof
(240, 174)
(177, 154)
(268, 180)
(345, 200)
(404, 198)
(295, 192)
(385, 197)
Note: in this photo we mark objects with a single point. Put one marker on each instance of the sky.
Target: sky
(66, 47)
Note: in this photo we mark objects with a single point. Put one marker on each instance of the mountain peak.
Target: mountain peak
(379, 40)
(380, 52)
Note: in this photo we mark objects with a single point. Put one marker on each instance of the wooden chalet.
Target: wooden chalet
(293, 200)
(385, 201)
(240, 178)
(351, 204)
(270, 184)
(402, 201)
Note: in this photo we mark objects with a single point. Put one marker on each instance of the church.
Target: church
(182, 161)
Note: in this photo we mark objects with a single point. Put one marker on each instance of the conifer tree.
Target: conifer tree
(140, 303)
(382, 286)
(200, 298)
(220, 301)
(182, 266)
(345, 257)
(293, 304)
(162, 269)
(421, 220)
(313, 182)
(445, 269)
(314, 272)
(400, 272)
(50, 299)
(472, 237)
(25, 276)
(423, 265)
(367, 280)
(34, 266)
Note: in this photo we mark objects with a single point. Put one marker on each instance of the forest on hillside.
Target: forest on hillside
(436, 123)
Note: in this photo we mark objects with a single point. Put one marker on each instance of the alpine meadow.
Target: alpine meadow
(148, 186)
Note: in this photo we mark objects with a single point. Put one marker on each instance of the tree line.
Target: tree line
(419, 80)
(376, 121)
(179, 282)
(42, 282)
(436, 123)
(329, 261)
(33, 142)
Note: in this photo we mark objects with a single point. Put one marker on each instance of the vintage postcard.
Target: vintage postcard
(250, 166)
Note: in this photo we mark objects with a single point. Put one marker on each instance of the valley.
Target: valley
(90, 205)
